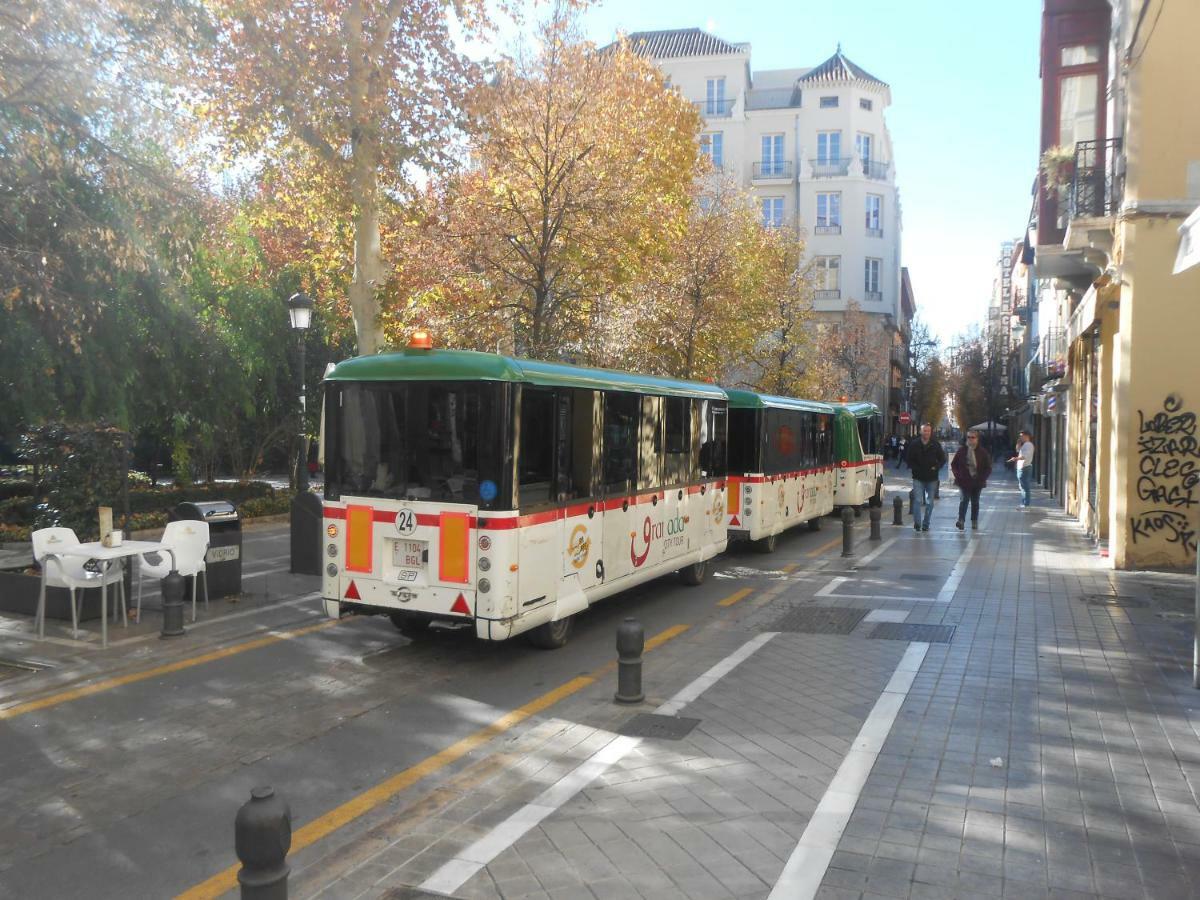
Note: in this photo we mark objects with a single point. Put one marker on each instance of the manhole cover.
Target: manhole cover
(819, 620)
(13, 668)
(897, 631)
(1114, 600)
(920, 576)
(667, 728)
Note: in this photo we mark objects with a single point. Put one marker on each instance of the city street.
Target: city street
(948, 714)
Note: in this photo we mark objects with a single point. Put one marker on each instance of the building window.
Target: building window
(872, 279)
(866, 104)
(712, 145)
(772, 212)
(772, 155)
(1077, 103)
(829, 213)
(828, 277)
(829, 147)
(874, 215)
(1081, 55)
(714, 97)
(829, 102)
(862, 146)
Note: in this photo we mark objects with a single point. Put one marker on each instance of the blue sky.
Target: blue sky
(964, 114)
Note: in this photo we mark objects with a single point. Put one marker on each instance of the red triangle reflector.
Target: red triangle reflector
(460, 606)
(352, 592)
(734, 521)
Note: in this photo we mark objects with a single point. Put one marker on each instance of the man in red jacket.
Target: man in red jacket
(971, 467)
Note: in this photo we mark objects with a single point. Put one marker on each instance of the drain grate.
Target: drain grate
(15, 668)
(666, 728)
(1114, 600)
(896, 631)
(819, 620)
(920, 576)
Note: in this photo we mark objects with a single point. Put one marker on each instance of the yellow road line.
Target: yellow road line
(109, 683)
(829, 546)
(788, 569)
(735, 597)
(325, 825)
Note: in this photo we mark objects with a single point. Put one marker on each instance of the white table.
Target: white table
(106, 556)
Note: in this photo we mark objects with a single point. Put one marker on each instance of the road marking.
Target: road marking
(133, 677)
(735, 597)
(886, 615)
(456, 872)
(217, 620)
(805, 868)
(946, 594)
(876, 552)
(828, 545)
(325, 825)
(788, 569)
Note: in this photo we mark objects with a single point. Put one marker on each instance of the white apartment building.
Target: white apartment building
(812, 147)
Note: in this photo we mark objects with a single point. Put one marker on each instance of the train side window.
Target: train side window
(620, 448)
(535, 456)
(650, 444)
(676, 439)
(713, 440)
(583, 421)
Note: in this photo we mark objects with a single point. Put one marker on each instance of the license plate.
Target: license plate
(409, 555)
(221, 554)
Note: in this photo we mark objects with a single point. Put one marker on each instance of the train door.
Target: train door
(619, 456)
(578, 450)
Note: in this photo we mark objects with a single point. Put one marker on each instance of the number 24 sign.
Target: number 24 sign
(406, 521)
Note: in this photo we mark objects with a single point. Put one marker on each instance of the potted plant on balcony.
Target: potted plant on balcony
(1057, 167)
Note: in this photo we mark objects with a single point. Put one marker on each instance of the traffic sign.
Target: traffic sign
(905, 419)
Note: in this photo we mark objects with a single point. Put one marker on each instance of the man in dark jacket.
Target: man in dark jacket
(926, 458)
(971, 467)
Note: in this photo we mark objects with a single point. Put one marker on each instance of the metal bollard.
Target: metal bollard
(847, 531)
(262, 836)
(876, 517)
(631, 640)
(897, 511)
(912, 499)
(172, 605)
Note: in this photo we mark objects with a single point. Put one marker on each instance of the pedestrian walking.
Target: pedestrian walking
(925, 457)
(901, 452)
(1024, 462)
(971, 466)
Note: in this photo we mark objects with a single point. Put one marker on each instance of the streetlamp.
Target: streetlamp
(300, 312)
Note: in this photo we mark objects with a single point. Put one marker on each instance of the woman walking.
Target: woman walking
(971, 467)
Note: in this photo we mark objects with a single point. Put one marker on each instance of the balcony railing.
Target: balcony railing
(830, 167)
(828, 294)
(827, 229)
(1096, 186)
(715, 109)
(876, 170)
(764, 171)
(874, 296)
(874, 232)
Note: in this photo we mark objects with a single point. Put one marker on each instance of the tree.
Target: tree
(853, 355)
(583, 165)
(335, 98)
(928, 373)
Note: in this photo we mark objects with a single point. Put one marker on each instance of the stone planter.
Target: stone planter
(19, 594)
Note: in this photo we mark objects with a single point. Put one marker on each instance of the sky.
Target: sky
(964, 116)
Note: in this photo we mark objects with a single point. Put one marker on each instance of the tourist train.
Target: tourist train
(466, 487)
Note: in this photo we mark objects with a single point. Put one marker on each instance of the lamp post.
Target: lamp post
(300, 312)
(306, 506)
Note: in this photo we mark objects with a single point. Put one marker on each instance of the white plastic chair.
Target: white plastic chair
(69, 572)
(188, 539)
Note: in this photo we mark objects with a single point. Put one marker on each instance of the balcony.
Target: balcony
(715, 109)
(875, 232)
(827, 229)
(831, 167)
(772, 170)
(875, 170)
(1097, 188)
(827, 294)
(874, 296)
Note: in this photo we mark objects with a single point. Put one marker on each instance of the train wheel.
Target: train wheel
(410, 626)
(551, 635)
(765, 545)
(695, 573)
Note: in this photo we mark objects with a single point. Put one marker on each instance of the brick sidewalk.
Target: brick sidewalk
(1049, 744)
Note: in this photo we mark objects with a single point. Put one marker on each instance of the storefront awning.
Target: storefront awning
(1189, 243)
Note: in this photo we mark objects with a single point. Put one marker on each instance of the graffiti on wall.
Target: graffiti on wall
(1168, 475)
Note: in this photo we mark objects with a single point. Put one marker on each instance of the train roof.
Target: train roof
(469, 365)
(740, 399)
(860, 409)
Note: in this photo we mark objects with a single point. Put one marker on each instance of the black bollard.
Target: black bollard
(847, 531)
(897, 511)
(631, 640)
(262, 836)
(876, 516)
(172, 605)
(912, 499)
